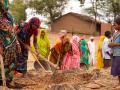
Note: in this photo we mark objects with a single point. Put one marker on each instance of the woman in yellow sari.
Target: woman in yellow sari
(99, 53)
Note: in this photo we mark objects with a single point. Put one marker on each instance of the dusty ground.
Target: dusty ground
(77, 79)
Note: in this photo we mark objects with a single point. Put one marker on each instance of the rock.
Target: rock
(93, 86)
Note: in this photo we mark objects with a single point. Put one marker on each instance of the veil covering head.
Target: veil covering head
(5, 24)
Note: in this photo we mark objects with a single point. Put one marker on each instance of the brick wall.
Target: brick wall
(105, 27)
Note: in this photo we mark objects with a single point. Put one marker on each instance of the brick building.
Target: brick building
(78, 23)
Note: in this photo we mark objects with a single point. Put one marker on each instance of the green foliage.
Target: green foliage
(97, 5)
(114, 7)
(108, 7)
(50, 8)
(18, 10)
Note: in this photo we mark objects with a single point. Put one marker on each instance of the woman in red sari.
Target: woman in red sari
(24, 35)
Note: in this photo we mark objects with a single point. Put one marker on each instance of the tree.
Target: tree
(50, 8)
(114, 7)
(106, 8)
(18, 10)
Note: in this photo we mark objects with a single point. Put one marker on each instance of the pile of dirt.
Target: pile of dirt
(71, 76)
(59, 79)
(76, 79)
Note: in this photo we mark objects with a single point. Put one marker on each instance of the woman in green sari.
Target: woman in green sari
(84, 58)
(43, 48)
(43, 43)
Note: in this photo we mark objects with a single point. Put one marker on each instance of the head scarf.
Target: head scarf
(5, 30)
(75, 39)
(4, 24)
(83, 42)
(83, 45)
(75, 44)
(34, 20)
(45, 36)
(43, 43)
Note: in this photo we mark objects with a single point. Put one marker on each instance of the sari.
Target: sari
(66, 64)
(58, 52)
(75, 61)
(43, 43)
(84, 52)
(99, 53)
(55, 52)
(24, 36)
(43, 48)
(10, 48)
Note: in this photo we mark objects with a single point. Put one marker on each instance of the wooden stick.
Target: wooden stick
(45, 86)
(38, 61)
(40, 56)
(3, 72)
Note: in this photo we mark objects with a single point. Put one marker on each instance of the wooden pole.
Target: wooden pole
(38, 61)
(40, 56)
(3, 72)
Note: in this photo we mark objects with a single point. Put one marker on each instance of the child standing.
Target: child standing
(106, 50)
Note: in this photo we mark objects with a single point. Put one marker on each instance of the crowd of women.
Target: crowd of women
(76, 52)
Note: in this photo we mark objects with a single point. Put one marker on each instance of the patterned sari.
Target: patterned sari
(10, 48)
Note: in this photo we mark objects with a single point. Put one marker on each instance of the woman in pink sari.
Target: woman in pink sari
(72, 57)
(66, 64)
(75, 63)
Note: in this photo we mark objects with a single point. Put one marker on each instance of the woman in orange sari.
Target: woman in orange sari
(57, 52)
